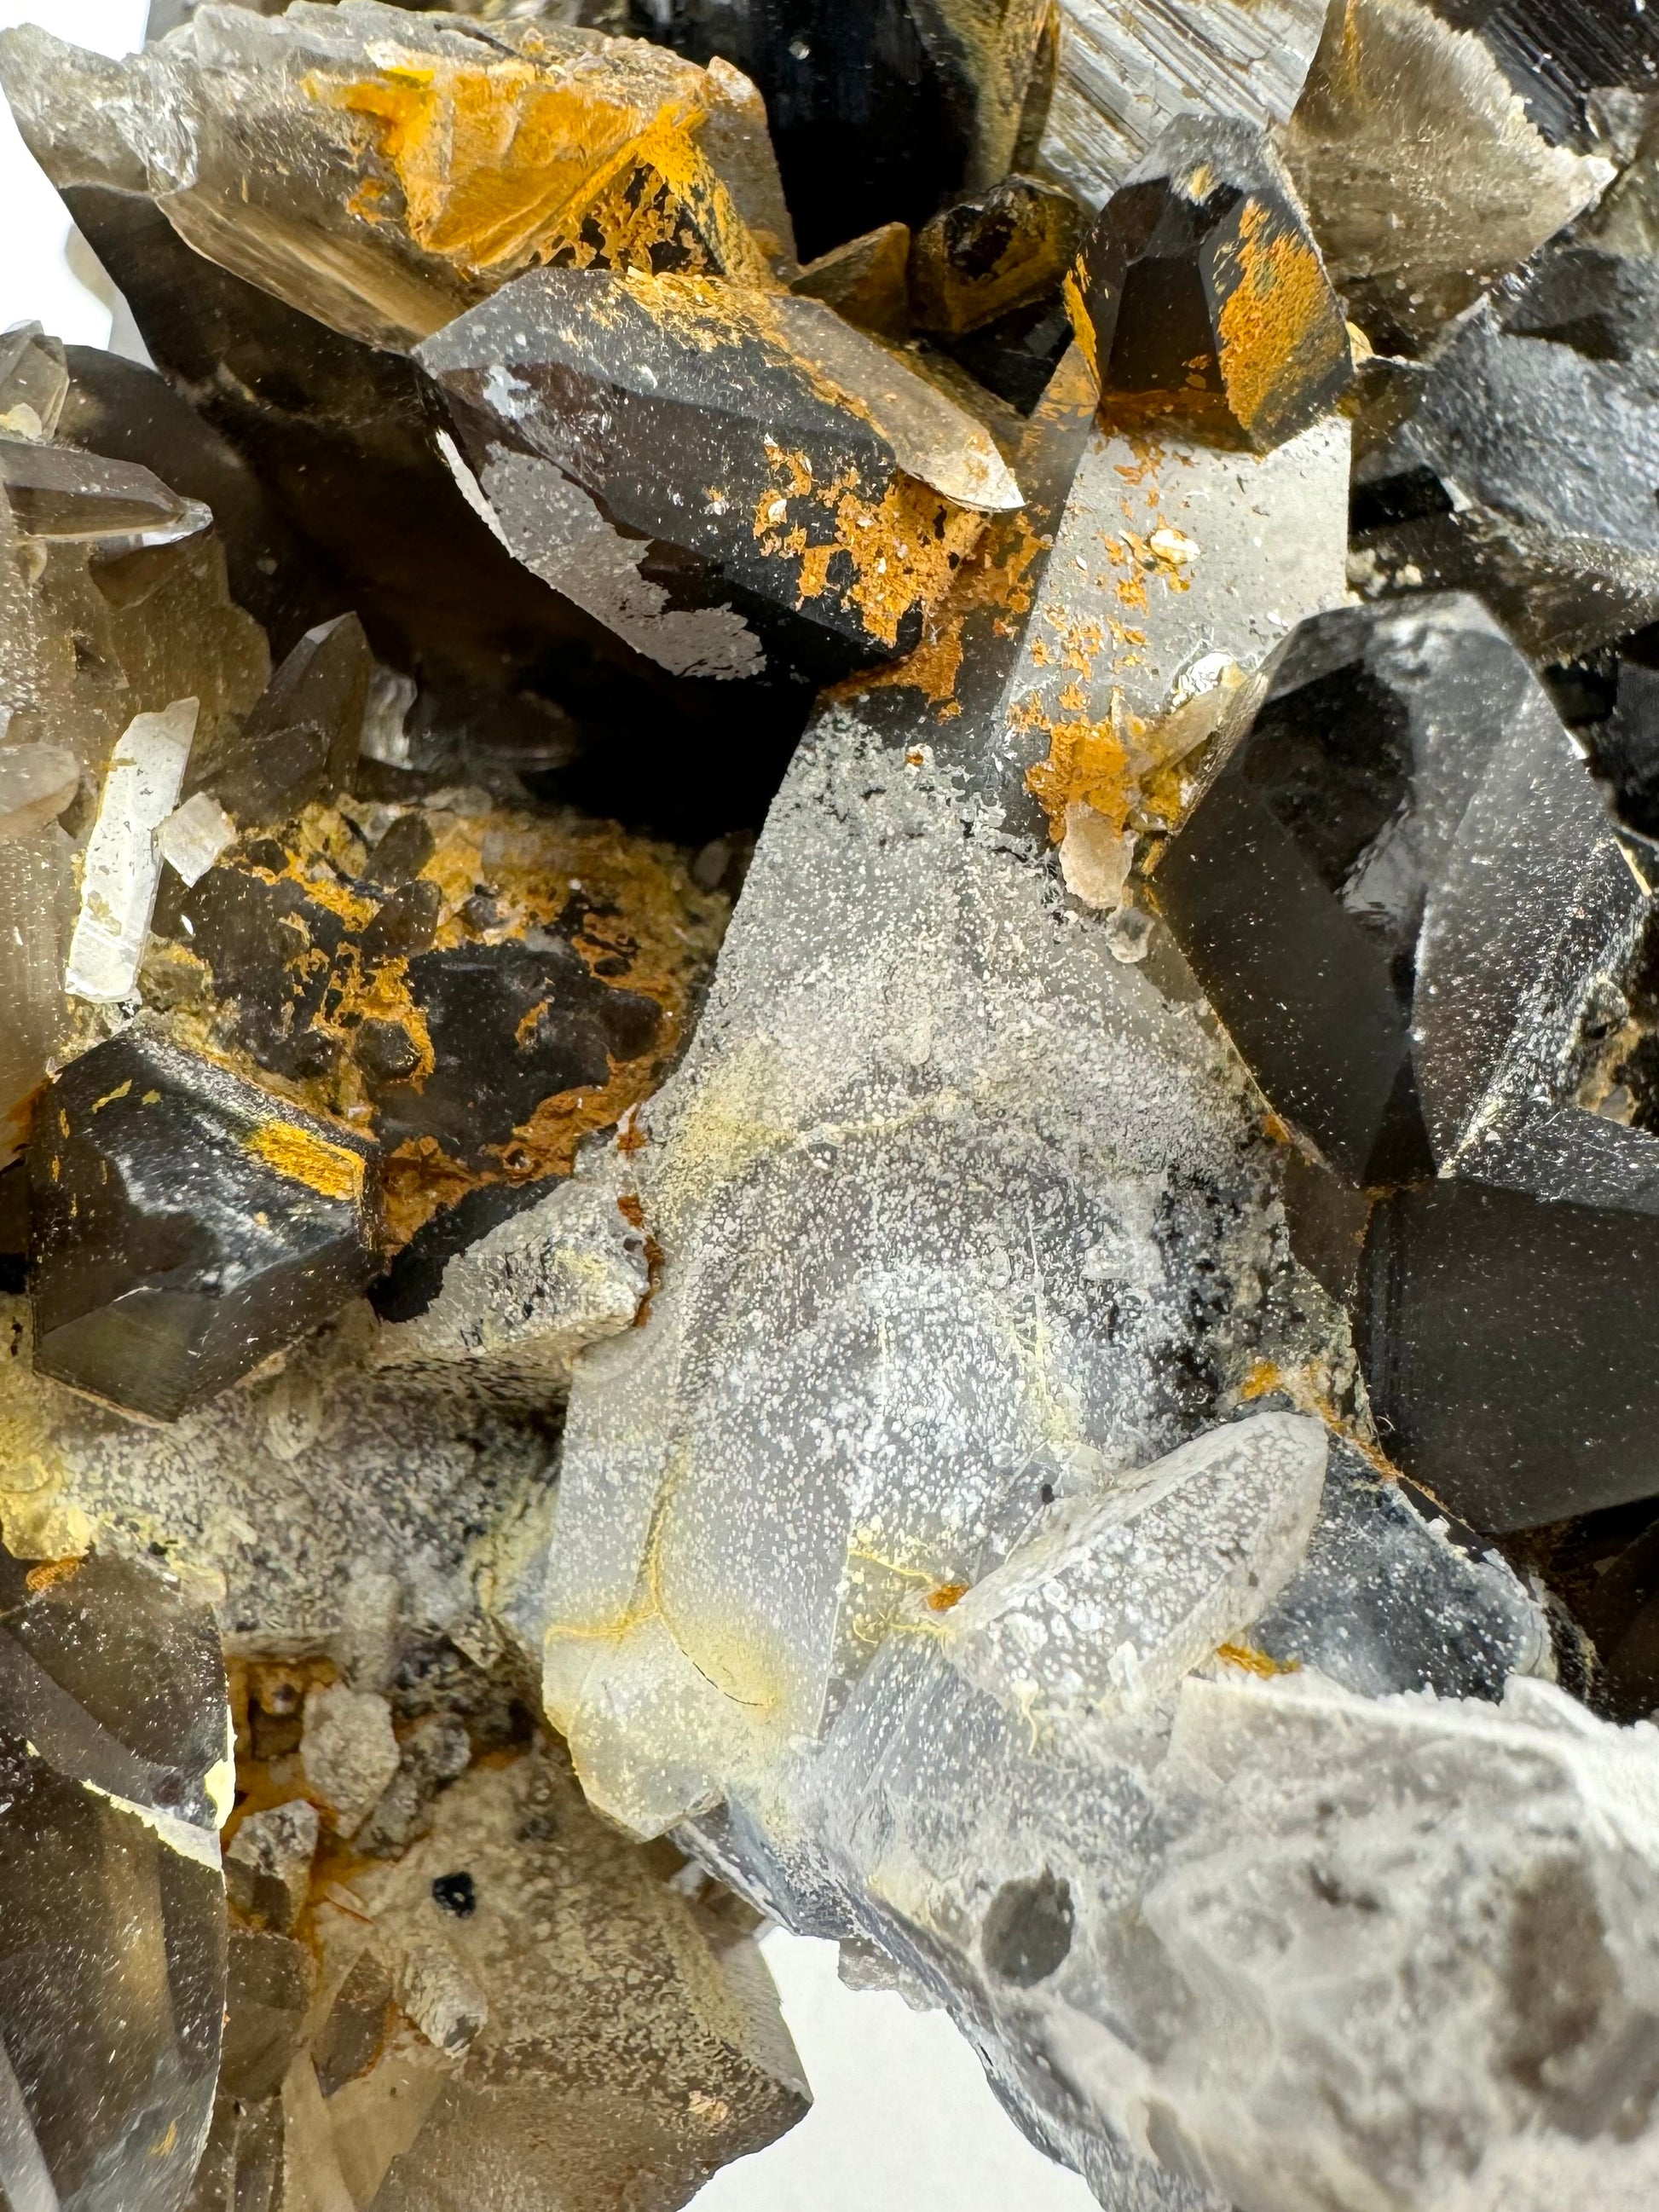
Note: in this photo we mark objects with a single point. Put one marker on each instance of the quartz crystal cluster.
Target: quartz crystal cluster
(829, 1089)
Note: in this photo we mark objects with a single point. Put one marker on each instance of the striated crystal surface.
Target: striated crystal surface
(1122, 76)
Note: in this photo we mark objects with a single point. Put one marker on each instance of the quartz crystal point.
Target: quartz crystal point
(1199, 297)
(121, 865)
(788, 455)
(1554, 529)
(1422, 172)
(1123, 76)
(984, 256)
(113, 601)
(114, 1739)
(185, 1225)
(130, 412)
(1297, 885)
(300, 741)
(1167, 532)
(34, 381)
(59, 496)
(1405, 898)
(383, 170)
(866, 281)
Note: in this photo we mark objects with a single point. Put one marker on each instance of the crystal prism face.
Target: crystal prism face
(1423, 175)
(57, 496)
(811, 469)
(33, 381)
(1199, 296)
(1550, 531)
(1298, 883)
(866, 281)
(302, 740)
(383, 172)
(115, 601)
(1521, 1306)
(1556, 56)
(185, 1225)
(115, 1739)
(1405, 898)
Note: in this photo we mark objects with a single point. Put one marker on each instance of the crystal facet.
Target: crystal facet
(184, 1224)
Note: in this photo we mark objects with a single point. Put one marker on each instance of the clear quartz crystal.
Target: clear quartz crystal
(194, 835)
(33, 381)
(123, 864)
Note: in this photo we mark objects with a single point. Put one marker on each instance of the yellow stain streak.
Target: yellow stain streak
(330, 1171)
(1256, 1662)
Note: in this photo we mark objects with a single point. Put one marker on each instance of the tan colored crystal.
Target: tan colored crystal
(1423, 176)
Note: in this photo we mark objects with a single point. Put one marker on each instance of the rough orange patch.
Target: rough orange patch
(947, 1595)
(1278, 325)
(883, 557)
(661, 195)
(1263, 1376)
(330, 1171)
(646, 927)
(1088, 762)
(489, 158)
(50, 1572)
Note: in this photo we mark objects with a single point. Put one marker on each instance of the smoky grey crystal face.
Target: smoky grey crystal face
(114, 1739)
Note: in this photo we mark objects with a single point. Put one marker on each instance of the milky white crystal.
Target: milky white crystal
(123, 864)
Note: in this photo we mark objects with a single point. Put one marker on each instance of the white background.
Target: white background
(903, 2120)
